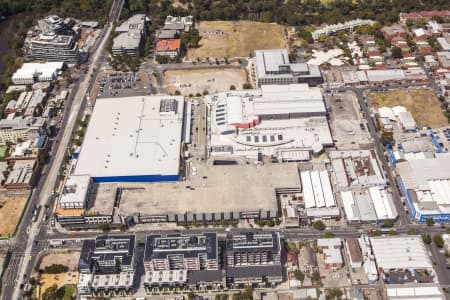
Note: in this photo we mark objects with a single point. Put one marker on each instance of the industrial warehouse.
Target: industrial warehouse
(285, 121)
(426, 185)
(134, 139)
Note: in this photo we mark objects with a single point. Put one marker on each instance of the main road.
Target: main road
(25, 248)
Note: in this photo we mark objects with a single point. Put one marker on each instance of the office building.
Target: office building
(274, 67)
(131, 36)
(179, 23)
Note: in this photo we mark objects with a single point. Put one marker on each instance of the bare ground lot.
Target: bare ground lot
(200, 80)
(11, 207)
(69, 259)
(346, 122)
(422, 103)
(236, 39)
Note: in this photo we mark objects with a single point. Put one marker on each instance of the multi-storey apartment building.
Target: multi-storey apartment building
(15, 130)
(107, 264)
(55, 40)
(54, 47)
(181, 252)
(182, 260)
(253, 259)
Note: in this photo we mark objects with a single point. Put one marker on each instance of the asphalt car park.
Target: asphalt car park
(120, 85)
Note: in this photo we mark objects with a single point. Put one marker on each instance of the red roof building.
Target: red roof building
(424, 15)
(168, 47)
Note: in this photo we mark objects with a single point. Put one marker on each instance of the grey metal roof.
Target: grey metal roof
(254, 271)
(204, 276)
(159, 247)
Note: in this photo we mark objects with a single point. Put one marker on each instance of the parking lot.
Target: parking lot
(121, 85)
(348, 127)
(236, 188)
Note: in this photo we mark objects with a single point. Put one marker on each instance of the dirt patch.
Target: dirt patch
(197, 81)
(69, 259)
(421, 103)
(236, 39)
(11, 207)
(48, 280)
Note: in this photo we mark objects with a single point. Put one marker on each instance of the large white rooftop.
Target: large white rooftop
(425, 291)
(75, 191)
(275, 63)
(317, 191)
(274, 117)
(133, 136)
(416, 174)
(406, 252)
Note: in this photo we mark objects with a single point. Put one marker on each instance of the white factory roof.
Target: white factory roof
(419, 32)
(272, 119)
(75, 191)
(317, 190)
(384, 206)
(332, 256)
(291, 92)
(350, 208)
(444, 44)
(417, 173)
(321, 57)
(425, 291)
(363, 206)
(407, 120)
(329, 243)
(133, 136)
(400, 252)
(385, 75)
(386, 112)
(346, 163)
(398, 109)
(43, 71)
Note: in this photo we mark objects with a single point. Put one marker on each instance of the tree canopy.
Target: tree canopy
(292, 12)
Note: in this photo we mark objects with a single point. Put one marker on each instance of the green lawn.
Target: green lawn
(4, 151)
(68, 292)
